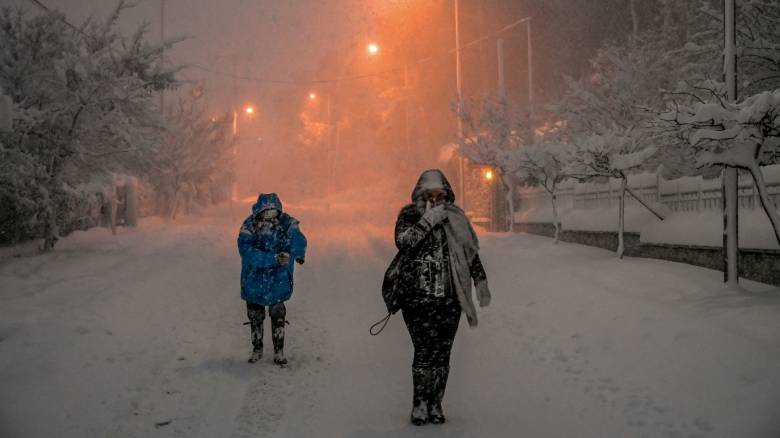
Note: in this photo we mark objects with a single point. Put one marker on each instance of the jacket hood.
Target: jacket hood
(432, 179)
(266, 201)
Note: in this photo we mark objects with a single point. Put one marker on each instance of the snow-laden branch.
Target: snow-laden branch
(611, 155)
(744, 134)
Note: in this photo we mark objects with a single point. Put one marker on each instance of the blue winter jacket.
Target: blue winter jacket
(263, 280)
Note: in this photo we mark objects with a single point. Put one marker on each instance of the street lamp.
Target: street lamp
(373, 49)
(249, 109)
(314, 98)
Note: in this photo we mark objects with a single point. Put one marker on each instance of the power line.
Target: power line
(364, 76)
(298, 82)
(318, 81)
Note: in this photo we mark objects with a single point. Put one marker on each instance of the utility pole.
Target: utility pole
(162, 54)
(233, 97)
(406, 114)
(496, 188)
(484, 81)
(530, 85)
(462, 159)
(329, 158)
(501, 82)
(730, 177)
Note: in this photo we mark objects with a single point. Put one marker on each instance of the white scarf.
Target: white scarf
(463, 247)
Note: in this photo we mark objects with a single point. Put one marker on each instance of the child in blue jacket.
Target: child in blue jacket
(270, 242)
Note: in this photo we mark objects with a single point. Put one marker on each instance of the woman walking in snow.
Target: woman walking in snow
(437, 261)
(269, 242)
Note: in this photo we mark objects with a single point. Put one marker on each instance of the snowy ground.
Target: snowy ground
(141, 335)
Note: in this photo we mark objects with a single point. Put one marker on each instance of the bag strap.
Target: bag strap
(382, 321)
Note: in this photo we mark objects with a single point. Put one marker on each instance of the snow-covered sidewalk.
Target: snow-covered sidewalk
(141, 335)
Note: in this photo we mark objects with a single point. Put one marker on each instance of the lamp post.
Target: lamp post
(461, 159)
(314, 97)
(530, 85)
(502, 92)
(249, 110)
(406, 116)
(373, 49)
(487, 174)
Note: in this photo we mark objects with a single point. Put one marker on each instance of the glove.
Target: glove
(483, 293)
(283, 258)
(299, 260)
(435, 215)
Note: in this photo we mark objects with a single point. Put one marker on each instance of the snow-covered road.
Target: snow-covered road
(141, 335)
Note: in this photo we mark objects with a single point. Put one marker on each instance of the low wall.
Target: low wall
(604, 239)
(755, 264)
(761, 265)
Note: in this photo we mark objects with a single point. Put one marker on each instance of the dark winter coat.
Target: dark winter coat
(263, 280)
(422, 270)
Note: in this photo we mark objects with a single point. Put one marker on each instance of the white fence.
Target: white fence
(683, 194)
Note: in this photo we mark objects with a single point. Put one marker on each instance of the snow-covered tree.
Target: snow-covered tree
(544, 164)
(79, 95)
(611, 155)
(630, 78)
(196, 153)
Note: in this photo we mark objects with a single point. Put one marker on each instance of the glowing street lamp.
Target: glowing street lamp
(489, 175)
(249, 109)
(312, 96)
(373, 49)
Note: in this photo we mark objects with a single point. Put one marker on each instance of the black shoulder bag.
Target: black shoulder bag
(392, 292)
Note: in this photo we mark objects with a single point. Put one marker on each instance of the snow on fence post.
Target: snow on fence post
(653, 191)
(756, 199)
(699, 201)
(6, 112)
(131, 201)
(621, 216)
(597, 201)
(680, 205)
(111, 207)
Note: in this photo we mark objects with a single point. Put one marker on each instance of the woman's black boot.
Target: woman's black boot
(421, 382)
(439, 377)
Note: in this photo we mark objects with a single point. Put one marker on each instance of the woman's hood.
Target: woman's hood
(432, 179)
